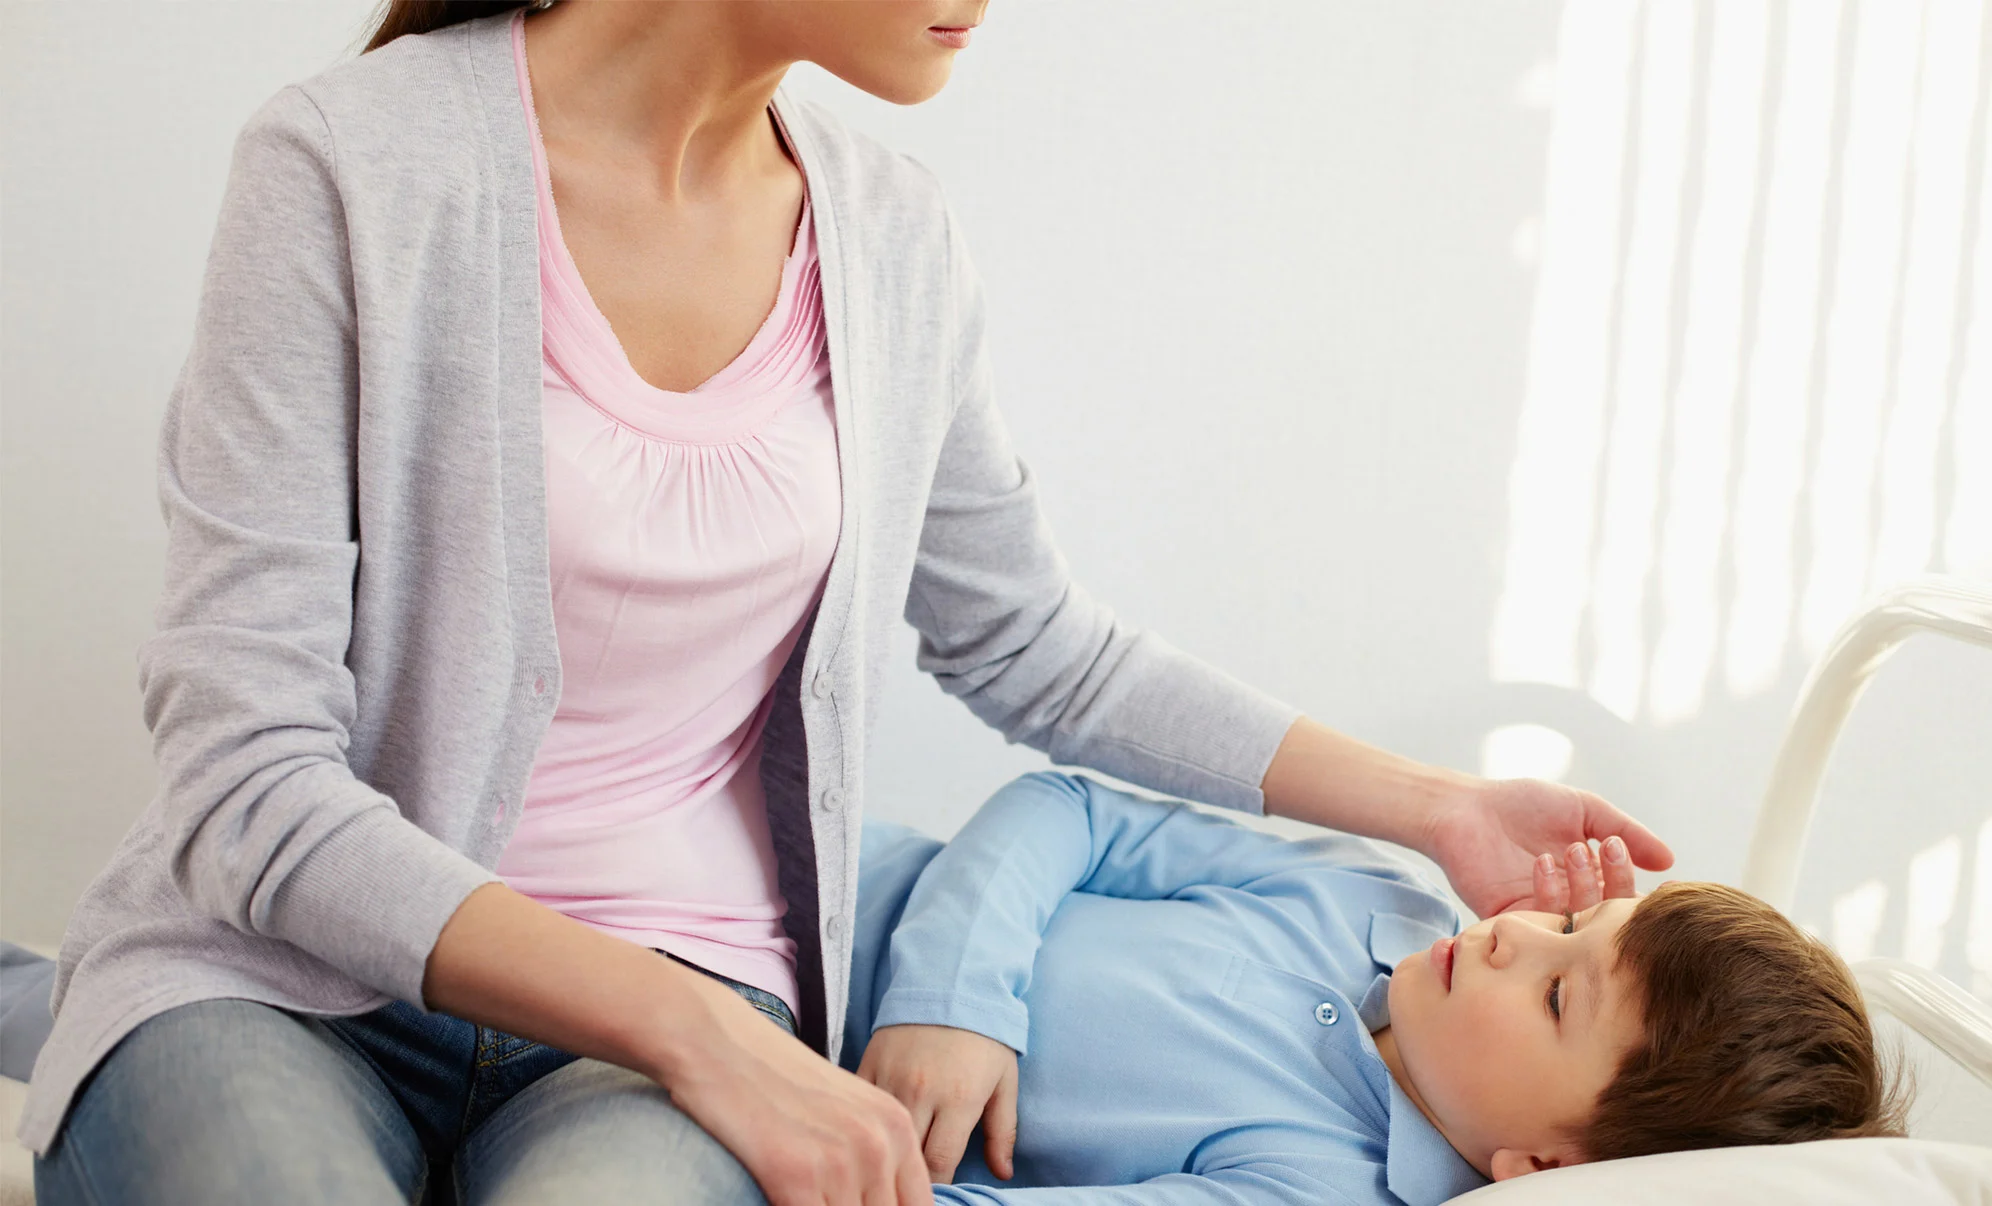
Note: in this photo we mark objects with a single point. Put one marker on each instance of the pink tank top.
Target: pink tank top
(690, 534)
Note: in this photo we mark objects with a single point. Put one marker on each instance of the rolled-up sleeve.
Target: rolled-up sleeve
(1004, 627)
(244, 683)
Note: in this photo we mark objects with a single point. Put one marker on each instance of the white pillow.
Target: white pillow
(1831, 1172)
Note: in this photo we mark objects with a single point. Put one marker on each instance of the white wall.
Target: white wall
(1439, 367)
(116, 121)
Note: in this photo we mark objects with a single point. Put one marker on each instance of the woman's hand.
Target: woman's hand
(1486, 834)
(1491, 839)
(810, 1133)
(949, 1079)
(1584, 878)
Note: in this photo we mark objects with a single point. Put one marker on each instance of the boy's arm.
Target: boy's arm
(964, 948)
(961, 954)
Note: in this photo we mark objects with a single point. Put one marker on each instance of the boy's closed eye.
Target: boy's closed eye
(1556, 984)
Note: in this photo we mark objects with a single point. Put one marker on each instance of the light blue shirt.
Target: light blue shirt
(1191, 999)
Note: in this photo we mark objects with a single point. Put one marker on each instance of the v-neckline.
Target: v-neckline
(588, 354)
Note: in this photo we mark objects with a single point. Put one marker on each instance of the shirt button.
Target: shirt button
(1325, 1014)
(821, 687)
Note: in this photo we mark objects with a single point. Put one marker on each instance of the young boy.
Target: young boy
(1167, 1008)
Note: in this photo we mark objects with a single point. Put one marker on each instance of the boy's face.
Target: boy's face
(1512, 1029)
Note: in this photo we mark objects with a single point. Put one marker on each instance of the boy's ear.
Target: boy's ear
(1509, 1162)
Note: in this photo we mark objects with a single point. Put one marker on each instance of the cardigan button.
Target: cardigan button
(830, 800)
(834, 927)
(821, 687)
(539, 684)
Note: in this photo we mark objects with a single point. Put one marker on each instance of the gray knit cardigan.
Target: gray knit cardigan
(355, 656)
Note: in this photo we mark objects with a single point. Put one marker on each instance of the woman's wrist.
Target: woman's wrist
(506, 961)
(683, 1027)
(1331, 779)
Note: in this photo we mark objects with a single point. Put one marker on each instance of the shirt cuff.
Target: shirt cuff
(1008, 1022)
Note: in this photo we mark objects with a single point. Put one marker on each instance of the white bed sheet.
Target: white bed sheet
(1832, 1172)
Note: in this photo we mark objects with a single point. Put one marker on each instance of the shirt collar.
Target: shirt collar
(1394, 937)
(1421, 1166)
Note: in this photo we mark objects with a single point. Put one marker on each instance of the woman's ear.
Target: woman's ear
(1511, 1162)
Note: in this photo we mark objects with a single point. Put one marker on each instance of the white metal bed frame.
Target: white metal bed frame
(1953, 1021)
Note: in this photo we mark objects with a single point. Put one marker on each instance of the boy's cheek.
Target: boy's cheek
(1415, 985)
(1470, 1039)
(1474, 1084)
(1480, 1046)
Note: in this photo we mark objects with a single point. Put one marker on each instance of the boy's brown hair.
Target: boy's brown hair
(1754, 1032)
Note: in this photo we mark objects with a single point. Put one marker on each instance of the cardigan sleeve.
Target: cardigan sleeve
(244, 682)
(1005, 628)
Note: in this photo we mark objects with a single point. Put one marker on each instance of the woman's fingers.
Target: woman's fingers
(868, 1189)
(1586, 888)
(930, 1124)
(915, 1187)
(1618, 868)
(1643, 847)
(999, 1127)
(810, 1133)
(893, 1173)
(1552, 890)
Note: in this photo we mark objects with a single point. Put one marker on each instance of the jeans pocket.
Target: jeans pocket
(504, 1048)
(776, 1014)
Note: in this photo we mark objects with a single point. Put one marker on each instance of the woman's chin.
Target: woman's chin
(903, 85)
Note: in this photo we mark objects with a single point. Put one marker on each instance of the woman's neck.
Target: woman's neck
(679, 85)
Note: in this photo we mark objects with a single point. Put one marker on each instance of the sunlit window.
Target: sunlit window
(1857, 918)
(1749, 341)
(1759, 383)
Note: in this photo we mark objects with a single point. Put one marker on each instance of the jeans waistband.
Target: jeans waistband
(768, 1003)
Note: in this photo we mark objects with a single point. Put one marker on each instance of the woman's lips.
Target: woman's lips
(955, 37)
(1442, 961)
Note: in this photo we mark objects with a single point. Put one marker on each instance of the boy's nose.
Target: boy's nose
(1507, 937)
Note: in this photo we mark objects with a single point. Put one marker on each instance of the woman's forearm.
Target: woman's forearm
(1331, 779)
(506, 961)
(805, 1129)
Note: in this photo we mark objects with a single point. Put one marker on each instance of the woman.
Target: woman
(570, 419)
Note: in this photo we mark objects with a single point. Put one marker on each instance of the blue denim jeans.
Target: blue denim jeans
(228, 1100)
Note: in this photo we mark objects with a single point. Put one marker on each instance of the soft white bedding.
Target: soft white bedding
(1834, 1172)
